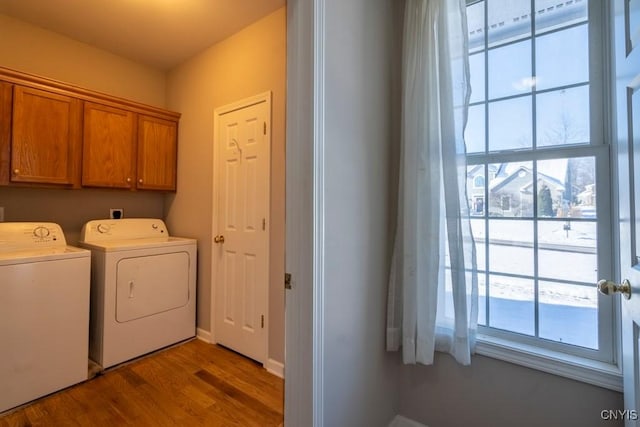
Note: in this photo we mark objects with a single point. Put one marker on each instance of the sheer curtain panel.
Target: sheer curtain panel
(433, 289)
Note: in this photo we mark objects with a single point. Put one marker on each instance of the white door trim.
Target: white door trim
(304, 313)
(243, 103)
(318, 213)
(626, 81)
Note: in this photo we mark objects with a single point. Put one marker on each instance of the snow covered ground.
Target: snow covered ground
(582, 234)
(567, 312)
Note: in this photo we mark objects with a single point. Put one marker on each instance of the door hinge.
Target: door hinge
(287, 280)
(262, 321)
(264, 128)
(264, 223)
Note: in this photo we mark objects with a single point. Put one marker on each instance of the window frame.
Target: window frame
(599, 367)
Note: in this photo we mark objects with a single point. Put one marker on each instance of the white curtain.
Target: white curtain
(433, 289)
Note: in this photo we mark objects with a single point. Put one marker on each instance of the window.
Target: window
(536, 129)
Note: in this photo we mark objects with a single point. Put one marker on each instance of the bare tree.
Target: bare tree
(564, 131)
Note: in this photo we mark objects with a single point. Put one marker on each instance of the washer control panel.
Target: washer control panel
(101, 230)
(23, 236)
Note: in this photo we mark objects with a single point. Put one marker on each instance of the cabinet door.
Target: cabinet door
(6, 93)
(109, 147)
(157, 153)
(45, 143)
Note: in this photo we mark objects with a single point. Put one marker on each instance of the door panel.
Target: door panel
(109, 147)
(229, 268)
(157, 153)
(230, 194)
(45, 137)
(633, 102)
(627, 54)
(243, 206)
(251, 195)
(151, 284)
(6, 99)
(250, 281)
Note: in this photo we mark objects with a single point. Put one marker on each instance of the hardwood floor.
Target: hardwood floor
(194, 384)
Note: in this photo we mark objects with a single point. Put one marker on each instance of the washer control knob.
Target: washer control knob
(103, 228)
(41, 232)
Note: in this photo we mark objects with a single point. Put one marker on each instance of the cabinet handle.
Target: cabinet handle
(128, 179)
(16, 171)
(140, 180)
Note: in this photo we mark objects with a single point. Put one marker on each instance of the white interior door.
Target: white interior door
(627, 52)
(241, 241)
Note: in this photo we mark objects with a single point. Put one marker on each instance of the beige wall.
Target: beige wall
(246, 64)
(27, 48)
(31, 49)
(494, 393)
(360, 378)
(72, 208)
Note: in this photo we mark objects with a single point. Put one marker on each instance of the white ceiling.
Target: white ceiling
(159, 33)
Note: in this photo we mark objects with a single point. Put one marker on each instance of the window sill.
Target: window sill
(576, 368)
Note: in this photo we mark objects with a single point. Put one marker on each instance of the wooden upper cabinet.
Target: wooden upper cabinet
(127, 150)
(108, 147)
(45, 142)
(55, 133)
(157, 153)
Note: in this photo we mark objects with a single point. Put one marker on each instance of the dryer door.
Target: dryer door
(151, 284)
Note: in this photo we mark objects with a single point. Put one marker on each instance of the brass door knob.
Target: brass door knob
(607, 287)
(219, 239)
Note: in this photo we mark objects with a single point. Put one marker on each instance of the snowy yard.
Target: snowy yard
(567, 312)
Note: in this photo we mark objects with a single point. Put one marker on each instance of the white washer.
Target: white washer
(143, 288)
(44, 312)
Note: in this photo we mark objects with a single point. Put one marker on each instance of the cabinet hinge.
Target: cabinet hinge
(287, 280)
(262, 321)
(264, 223)
(264, 128)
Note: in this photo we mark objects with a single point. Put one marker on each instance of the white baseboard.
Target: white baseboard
(275, 367)
(203, 335)
(400, 421)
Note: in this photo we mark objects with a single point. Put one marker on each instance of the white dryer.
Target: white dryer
(44, 312)
(143, 288)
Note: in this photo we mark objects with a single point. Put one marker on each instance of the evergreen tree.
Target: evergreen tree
(545, 203)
